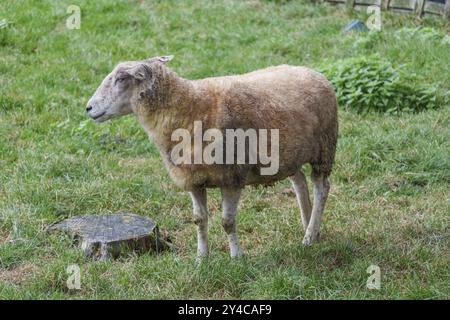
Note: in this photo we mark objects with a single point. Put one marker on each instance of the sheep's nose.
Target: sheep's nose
(89, 108)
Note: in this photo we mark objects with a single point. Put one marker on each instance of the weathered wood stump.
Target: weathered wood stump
(105, 236)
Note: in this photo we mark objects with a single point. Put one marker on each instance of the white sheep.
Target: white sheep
(297, 101)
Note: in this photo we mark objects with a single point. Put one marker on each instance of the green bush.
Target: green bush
(424, 33)
(368, 40)
(373, 84)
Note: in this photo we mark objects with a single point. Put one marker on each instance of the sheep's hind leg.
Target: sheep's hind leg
(300, 186)
(230, 200)
(199, 202)
(321, 188)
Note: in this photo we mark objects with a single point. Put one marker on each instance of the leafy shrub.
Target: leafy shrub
(372, 84)
(368, 40)
(424, 33)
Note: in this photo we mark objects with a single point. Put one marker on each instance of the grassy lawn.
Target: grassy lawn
(388, 204)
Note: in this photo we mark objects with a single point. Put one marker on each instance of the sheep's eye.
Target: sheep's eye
(120, 80)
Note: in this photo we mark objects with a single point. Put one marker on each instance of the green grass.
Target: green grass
(389, 199)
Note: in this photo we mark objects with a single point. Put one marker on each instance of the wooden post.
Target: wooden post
(385, 4)
(420, 4)
(447, 9)
(350, 3)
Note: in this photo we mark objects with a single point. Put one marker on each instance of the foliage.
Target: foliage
(424, 33)
(373, 84)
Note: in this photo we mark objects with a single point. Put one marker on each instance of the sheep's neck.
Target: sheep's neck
(177, 107)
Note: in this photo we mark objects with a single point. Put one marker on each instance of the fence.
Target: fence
(418, 7)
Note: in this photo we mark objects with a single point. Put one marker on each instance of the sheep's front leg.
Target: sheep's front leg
(321, 188)
(201, 220)
(301, 191)
(230, 200)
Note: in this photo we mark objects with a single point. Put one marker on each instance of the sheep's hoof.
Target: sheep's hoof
(310, 238)
(239, 254)
(200, 259)
(307, 241)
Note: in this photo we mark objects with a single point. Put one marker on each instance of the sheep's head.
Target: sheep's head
(117, 94)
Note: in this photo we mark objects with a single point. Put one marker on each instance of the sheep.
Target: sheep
(298, 101)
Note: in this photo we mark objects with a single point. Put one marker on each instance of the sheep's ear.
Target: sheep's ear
(140, 72)
(165, 59)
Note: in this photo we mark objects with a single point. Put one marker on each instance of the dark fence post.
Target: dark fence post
(447, 9)
(385, 4)
(420, 4)
(350, 3)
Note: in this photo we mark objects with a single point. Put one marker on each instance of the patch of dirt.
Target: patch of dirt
(3, 237)
(288, 192)
(17, 275)
(220, 294)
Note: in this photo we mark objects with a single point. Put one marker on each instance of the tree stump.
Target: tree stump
(105, 236)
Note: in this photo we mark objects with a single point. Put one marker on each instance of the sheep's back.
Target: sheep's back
(297, 101)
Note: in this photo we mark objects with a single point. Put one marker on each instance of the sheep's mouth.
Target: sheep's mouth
(98, 116)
